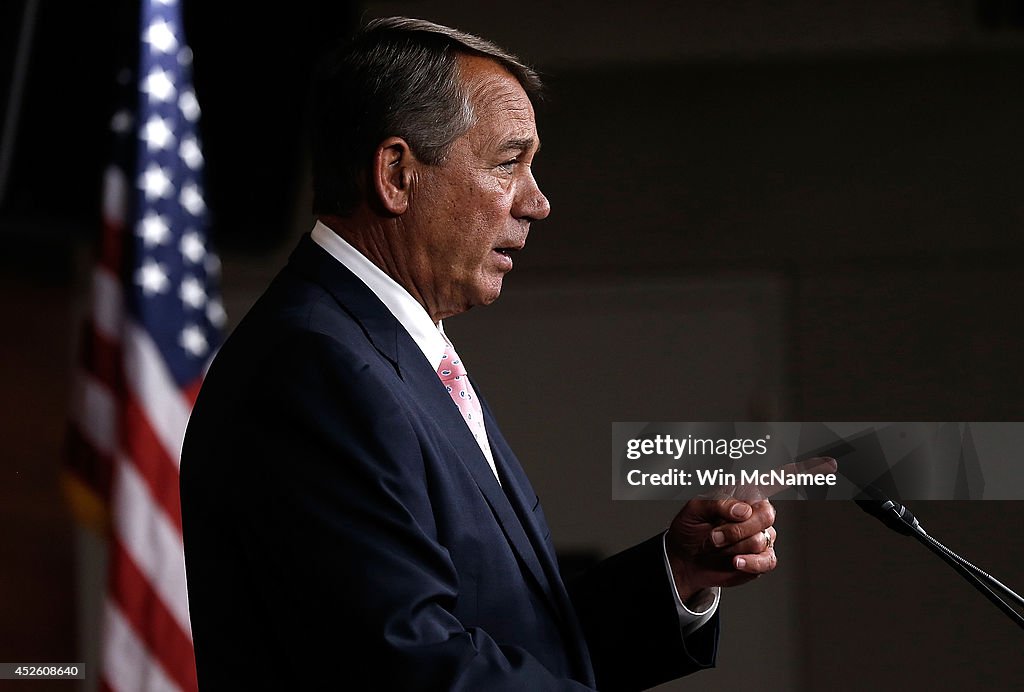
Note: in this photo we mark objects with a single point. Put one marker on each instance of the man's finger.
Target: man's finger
(758, 543)
(815, 465)
(718, 509)
(762, 516)
(761, 563)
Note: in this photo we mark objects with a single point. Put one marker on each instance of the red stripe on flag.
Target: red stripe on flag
(191, 391)
(150, 458)
(102, 358)
(111, 252)
(144, 610)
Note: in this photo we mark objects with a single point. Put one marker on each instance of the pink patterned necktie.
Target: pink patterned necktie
(453, 376)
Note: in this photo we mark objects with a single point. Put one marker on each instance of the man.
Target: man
(353, 517)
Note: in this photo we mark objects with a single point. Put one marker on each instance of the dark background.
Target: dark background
(791, 210)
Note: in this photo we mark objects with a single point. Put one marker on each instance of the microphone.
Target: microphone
(892, 514)
(900, 519)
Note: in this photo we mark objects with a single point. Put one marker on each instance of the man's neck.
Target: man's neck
(374, 237)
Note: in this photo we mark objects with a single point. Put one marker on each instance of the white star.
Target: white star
(192, 199)
(160, 36)
(152, 278)
(193, 340)
(215, 313)
(192, 293)
(190, 153)
(189, 105)
(158, 86)
(153, 229)
(191, 247)
(155, 183)
(157, 134)
(121, 122)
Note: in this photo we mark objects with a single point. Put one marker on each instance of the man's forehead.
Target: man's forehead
(500, 104)
(506, 134)
(489, 85)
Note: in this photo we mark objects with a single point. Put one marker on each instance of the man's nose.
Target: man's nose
(531, 203)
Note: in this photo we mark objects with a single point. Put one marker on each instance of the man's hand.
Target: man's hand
(720, 541)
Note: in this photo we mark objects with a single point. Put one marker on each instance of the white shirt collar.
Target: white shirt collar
(406, 309)
(428, 336)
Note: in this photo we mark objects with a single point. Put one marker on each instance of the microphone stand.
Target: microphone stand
(976, 577)
(898, 518)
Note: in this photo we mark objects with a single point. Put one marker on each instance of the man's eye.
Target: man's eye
(508, 165)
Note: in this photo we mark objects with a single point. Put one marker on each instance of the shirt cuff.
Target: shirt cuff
(701, 606)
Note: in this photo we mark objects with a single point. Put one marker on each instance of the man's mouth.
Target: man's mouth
(505, 254)
(509, 249)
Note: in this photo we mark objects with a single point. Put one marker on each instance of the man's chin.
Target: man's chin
(481, 295)
(493, 291)
(487, 294)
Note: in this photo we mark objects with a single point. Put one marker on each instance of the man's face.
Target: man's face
(469, 214)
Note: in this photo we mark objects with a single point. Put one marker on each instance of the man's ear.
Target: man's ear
(392, 174)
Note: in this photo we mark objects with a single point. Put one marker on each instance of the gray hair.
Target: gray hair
(396, 77)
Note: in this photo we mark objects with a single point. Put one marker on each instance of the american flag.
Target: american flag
(156, 319)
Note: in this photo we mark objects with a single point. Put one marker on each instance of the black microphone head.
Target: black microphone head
(892, 514)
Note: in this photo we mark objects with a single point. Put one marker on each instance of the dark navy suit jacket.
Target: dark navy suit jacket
(343, 530)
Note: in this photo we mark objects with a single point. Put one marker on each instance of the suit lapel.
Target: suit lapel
(394, 344)
(512, 502)
(352, 295)
(437, 405)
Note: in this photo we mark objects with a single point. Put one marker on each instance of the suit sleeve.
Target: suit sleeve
(627, 610)
(334, 518)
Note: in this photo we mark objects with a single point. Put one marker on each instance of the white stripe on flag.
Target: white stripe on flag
(152, 541)
(115, 195)
(94, 410)
(161, 400)
(127, 665)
